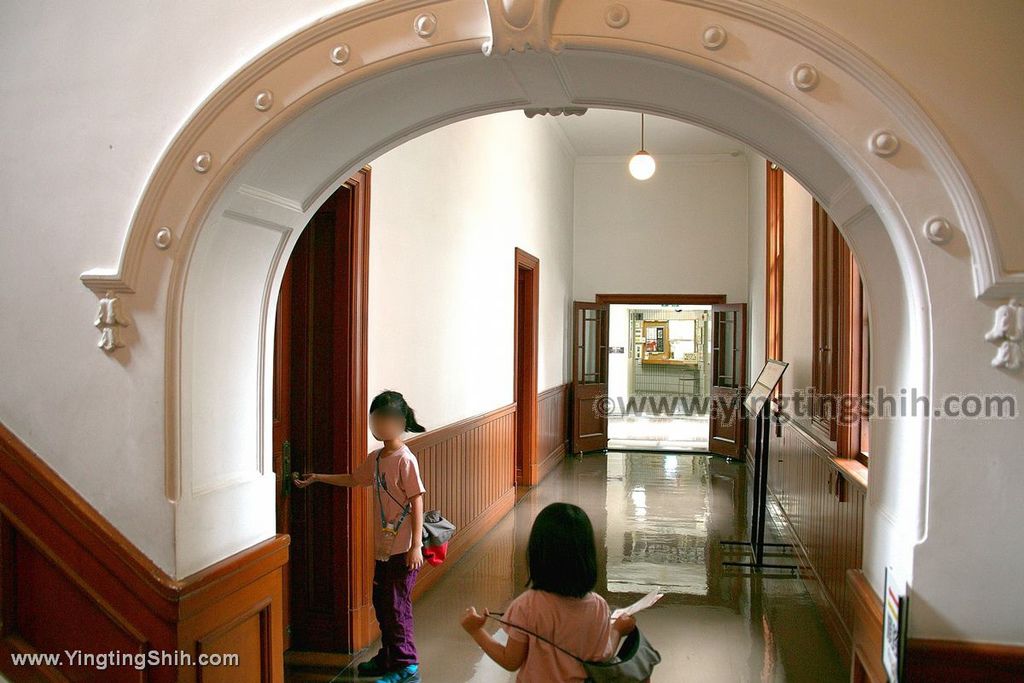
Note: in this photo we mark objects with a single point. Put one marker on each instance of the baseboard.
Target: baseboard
(553, 460)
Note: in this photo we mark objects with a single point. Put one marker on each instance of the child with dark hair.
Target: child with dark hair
(394, 473)
(560, 604)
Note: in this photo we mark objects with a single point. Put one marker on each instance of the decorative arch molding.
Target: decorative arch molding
(226, 184)
(501, 27)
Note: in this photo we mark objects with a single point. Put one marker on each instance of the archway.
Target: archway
(223, 209)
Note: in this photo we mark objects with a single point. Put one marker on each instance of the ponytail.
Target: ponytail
(411, 425)
(393, 403)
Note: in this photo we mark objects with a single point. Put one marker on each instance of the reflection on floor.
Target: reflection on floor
(658, 520)
(658, 432)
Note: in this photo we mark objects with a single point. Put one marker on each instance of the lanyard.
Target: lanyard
(535, 635)
(379, 483)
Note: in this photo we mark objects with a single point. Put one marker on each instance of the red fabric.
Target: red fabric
(435, 554)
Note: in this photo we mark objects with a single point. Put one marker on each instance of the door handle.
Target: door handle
(286, 468)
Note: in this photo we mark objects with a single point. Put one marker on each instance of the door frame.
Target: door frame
(524, 378)
(683, 299)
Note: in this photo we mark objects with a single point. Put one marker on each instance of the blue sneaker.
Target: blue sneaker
(408, 674)
(371, 667)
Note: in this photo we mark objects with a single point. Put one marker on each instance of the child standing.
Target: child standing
(394, 473)
(559, 605)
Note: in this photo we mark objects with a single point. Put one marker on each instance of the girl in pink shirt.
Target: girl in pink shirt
(398, 506)
(560, 604)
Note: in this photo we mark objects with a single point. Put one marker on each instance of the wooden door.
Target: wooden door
(589, 376)
(728, 379)
(320, 425)
(525, 364)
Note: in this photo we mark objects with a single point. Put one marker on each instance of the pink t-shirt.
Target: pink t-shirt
(580, 625)
(401, 472)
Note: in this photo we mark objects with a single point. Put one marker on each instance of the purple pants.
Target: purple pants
(392, 602)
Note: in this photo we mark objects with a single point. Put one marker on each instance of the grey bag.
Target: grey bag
(436, 529)
(633, 663)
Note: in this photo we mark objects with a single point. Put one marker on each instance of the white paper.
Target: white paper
(641, 604)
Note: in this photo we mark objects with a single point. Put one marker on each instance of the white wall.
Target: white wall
(445, 219)
(91, 97)
(797, 292)
(650, 237)
(756, 216)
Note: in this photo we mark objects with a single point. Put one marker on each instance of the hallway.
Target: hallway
(658, 520)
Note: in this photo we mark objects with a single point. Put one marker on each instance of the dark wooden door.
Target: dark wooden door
(525, 381)
(589, 376)
(728, 379)
(320, 425)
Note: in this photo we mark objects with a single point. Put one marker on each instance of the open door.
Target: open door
(728, 376)
(589, 376)
(319, 425)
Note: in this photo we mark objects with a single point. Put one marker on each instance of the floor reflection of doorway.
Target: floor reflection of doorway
(659, 371)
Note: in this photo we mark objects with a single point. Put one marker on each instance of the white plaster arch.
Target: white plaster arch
(260, 155)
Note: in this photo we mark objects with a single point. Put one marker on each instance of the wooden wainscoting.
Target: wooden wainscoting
(823, 509)
(866, 633)
(552, 427)
(926, 659)
(71, 581)
(469, 470)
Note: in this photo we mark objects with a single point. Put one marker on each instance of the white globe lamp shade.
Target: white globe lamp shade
(642, 165)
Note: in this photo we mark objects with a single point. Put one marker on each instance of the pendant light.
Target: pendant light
(641, 165)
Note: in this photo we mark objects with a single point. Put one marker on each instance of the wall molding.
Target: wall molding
(112, 592)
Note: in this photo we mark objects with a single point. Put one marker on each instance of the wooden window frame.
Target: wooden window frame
(773, 271)
(840, 350)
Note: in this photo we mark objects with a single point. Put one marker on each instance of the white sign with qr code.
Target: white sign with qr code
(894, 618)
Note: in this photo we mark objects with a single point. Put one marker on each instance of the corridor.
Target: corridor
(658, 520)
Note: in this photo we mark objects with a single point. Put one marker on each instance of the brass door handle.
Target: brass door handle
(286, 468)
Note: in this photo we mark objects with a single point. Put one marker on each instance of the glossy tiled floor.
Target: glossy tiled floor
(658, 519)
(658, 432)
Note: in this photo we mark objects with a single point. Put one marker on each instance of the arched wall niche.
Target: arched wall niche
(241, 179)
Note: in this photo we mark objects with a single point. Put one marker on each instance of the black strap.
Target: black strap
(377, 481)
(536, 635)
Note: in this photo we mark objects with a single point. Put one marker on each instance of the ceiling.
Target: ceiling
(611, 132)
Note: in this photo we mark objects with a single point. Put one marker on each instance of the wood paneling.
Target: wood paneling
(468, 468)
(553, 427)
(964, 662)
(926, 659)
(70, 580)
(866, 631)
(823, 508)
